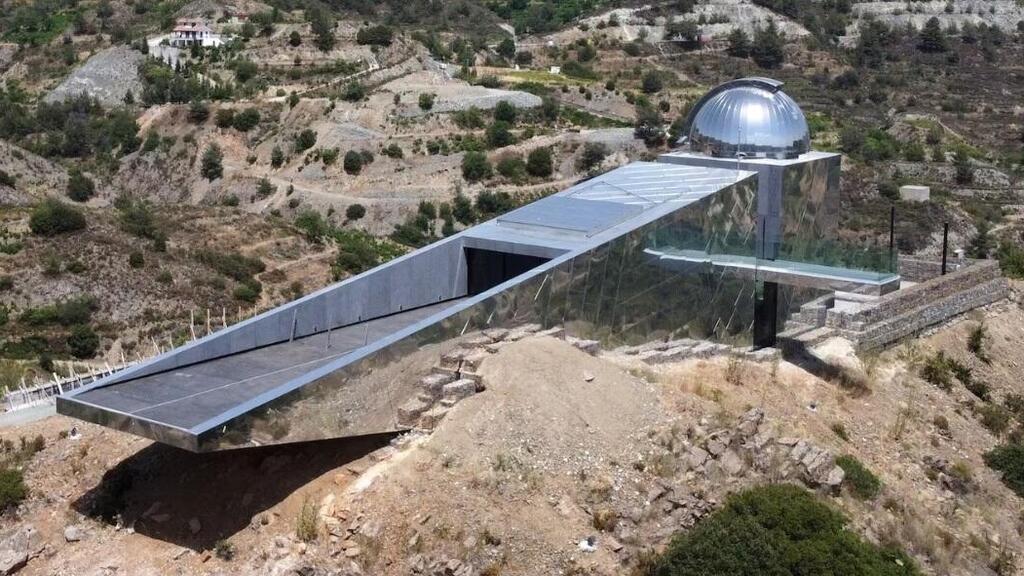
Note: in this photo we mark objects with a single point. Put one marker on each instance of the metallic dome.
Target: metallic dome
(751, 118)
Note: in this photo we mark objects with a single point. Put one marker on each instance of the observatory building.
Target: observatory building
(722, 239)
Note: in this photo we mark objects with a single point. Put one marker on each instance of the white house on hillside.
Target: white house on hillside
(189, 31)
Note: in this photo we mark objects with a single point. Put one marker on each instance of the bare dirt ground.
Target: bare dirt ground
(561, 446)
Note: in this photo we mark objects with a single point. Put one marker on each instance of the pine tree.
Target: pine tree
(212, 163)
(932, 38)
(767, 50)
(324, 30)
(739, 43)
(962, 163)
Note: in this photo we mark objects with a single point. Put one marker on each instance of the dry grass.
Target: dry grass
(306, 529)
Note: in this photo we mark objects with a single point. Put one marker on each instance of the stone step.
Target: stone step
(459, 389)
(472, 362)
(433, 384)
(410, 412)
(431, 418)
(816, 336)
(445, 371)
(496, 334)
(474, 342)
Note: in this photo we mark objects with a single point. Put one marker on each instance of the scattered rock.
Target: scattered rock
(73, 534)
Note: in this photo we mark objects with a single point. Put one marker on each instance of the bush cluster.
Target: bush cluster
(777, 529)
(1009, 459)
(862, 482)
(52, 217)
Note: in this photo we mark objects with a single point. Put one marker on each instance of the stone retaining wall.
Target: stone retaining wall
(916, 270)
(929, 292)
(909, 311)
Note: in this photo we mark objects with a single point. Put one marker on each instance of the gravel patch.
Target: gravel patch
(457, 98)
(106, 77)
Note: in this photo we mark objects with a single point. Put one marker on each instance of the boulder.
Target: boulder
(73, 534)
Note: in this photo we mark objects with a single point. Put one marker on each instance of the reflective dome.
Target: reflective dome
(749, 117)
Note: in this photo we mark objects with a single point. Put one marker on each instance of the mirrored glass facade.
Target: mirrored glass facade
(621, 292)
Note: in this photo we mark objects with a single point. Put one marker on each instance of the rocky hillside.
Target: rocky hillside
(583, 464)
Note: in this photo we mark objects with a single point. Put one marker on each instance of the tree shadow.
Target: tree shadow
(162, 491)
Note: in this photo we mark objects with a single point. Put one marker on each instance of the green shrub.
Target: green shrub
(305, 140)
(499, 134)
(224, 118)
(505, 112)
(1009, 459)
(359, 251)
(249, 291)
(6, 179)
(936, 371)
(83, 342)
(475, 167)
(353, 162)
(12, 488)
(862, 482)
(353, 92)
(593, 154)
(979, 389)
(136, 217)
(976, 343)
(224, 549)
(379, 35)
(777, 529)
(511, 166)
(840, 431)
(1015, 404)
(80, 186)
(1011, 259)
(995, 418)
(426, 101)
(66, 313)
(52, 217)
(136, 259)
(329, 156)
(471, 119)
(246, 120)
(313, 225)
(212, 166)
(355, 212)
(264, 188)
(539, 162)
(231, 264)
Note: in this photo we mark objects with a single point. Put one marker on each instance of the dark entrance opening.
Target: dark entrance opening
(487, 268)
(766, 306)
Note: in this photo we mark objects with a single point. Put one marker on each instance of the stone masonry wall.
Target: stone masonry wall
(929, 292)
(906, 312)
(916, 270)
